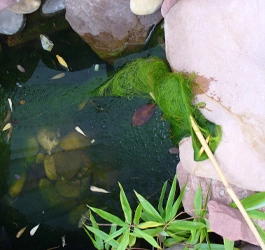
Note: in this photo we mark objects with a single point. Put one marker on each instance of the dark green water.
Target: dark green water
(137, 157)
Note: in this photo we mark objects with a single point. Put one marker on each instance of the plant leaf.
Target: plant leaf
(168, 211)
(62, 62)
(143, 114)
(252, 202)
(177, 203)
(138, 213)
(116, 234)
(185, 225)
(95, 243)
(125, 206)
(109, 217)
(124, 240)
(149, 224)
(256, 214)
(198, 200)
(228, 244)
(148, 208)
(139, 233)
(161, 198)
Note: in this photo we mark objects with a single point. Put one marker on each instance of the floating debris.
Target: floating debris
(143, 114)
(18, 177)
(19, 84)
(83, 219)
(82, 104)
(93, 141)
(21, 102)
(173, 151)
(79, 130)
(9, 133)
(96, 68)
(10, 104)
(21, 231)
(34, 229)
(46, 43)
(58, 76)
(63, 241)
(7, 126)
(99, 190)
(21, 69)
(62, 62)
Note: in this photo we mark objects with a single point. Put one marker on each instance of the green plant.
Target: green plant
(160, 227)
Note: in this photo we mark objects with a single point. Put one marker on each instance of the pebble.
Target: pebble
(145, 7)
(173, 151)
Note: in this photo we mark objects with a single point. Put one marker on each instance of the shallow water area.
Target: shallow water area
(114, 150)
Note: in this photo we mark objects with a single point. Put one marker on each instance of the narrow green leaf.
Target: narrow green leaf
(194, 237)
(185, 225)
(125, 206)
(95, 225)
(205, 246)
(261, 232)
(95, 243)
(132, 240)
(113, 229)
(125, 240)
(256, 214)
(154, 231)
(252, 202)
(102, 236)
(228, 244)
(116, 234)
(139, 233)
(149, 224)
(168, 210)
(137, 214)
(109, 217)
(198, 201)
(161, 198)
(177, 203)
(149, 209)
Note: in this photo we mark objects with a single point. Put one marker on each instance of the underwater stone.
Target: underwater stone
(74, 140)
(145, 7)
(49, 165)
(68, 163)
(31, 149)
(48, 139)
(17, 185)
(10, 22)
(69, 189)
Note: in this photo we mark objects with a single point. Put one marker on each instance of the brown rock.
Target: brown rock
(229, 223)
(109, 27)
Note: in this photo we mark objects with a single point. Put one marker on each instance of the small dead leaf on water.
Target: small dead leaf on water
(10, 104)
(62, 62)
(21, 102)
(34, 229)
(9, 133)
(143, 114)
(46, 43)
(79, 130)
(58, 76)
(82, 104)
(7, 126)
(98, 190)
(21, 69)
(21, 231)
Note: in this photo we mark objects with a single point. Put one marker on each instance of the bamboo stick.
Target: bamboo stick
(228, 188)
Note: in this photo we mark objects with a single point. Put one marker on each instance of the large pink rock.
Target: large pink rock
(225, 42)
(109, 27)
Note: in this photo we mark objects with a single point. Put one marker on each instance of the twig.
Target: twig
(228, 188)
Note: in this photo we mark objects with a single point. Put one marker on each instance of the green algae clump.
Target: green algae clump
(152, 78)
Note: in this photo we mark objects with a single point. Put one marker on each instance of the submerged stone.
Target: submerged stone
(17, 185)
(49, 165)
(53, 6)
(69, 189)
(25, 6)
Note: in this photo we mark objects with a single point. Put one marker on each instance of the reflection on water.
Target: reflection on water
(47, 167)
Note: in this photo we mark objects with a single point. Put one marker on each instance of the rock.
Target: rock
(68, 163)
(10, 22)
(229, 223)
(109, 27)
(6, 3)
(145, 7)
(48, 139)
(69, 189)
(31, 149)
(16, 187)
(74, 140)
(25, 6)
(49, 166)
(39, 158)
(230, 53)
(52, 7)
(166, 6)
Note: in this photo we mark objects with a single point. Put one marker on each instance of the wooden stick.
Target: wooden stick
(228, 188)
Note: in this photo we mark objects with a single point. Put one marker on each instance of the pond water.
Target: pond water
(136, 156)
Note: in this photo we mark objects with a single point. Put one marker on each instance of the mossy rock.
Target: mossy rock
(32, 147)
(16, 187)
(69, 189)
(49, 166)
(68, 163)
(48, 139)
(39, 158)
(76, 214)
(74, 140)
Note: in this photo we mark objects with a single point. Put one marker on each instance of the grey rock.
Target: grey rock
(10, 22)
(51, 7)
(109, 27)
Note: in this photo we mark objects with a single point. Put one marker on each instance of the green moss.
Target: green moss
(151, 77)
